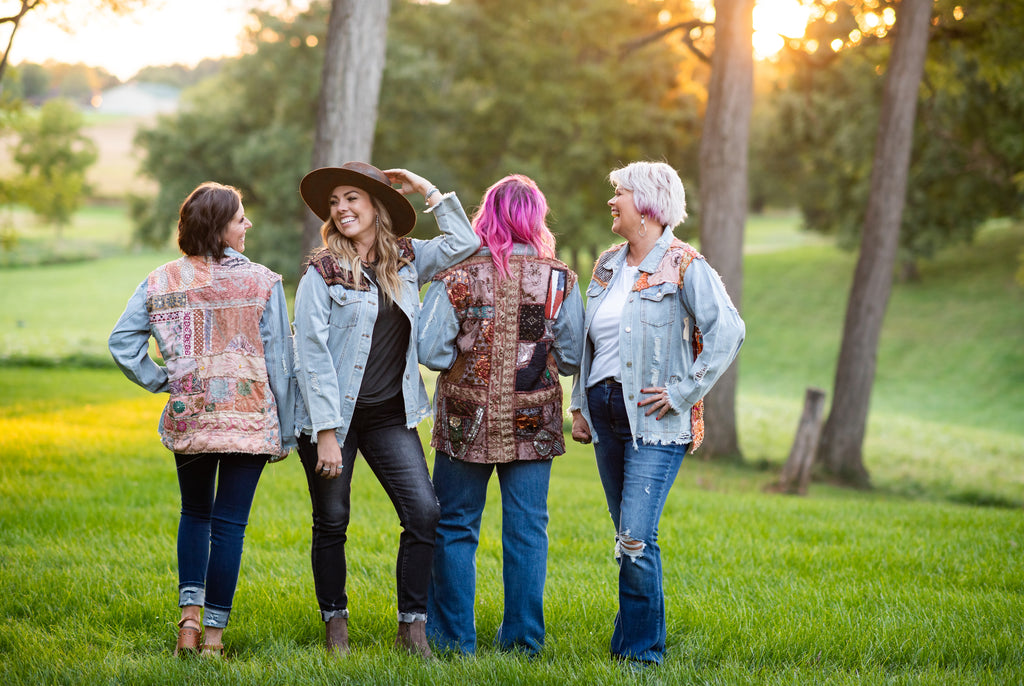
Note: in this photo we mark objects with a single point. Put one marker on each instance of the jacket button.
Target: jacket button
(628, 329)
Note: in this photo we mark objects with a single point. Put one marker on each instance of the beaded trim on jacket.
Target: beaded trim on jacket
(501, 400)
(671, 269)
(205, 317)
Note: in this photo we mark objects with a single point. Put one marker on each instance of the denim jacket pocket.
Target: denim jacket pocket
(344, 308)
(657, 304)
(594, 289)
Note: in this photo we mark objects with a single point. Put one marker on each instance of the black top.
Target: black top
(385, 365)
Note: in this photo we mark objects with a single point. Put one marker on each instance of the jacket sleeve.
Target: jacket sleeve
(315, 371)
(439, 328)
(456, 242)
(705, 298)
(129, 345)
(277, 351)
(568, 330)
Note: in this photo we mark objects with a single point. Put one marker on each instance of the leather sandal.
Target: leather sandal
(215, 650)
(188, 637)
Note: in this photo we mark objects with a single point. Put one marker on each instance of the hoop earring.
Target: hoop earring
(643, 227)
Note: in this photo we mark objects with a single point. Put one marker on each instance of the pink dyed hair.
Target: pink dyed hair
(513, 211)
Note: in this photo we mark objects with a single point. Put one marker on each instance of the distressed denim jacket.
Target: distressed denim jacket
(334, 329)
(655, 336)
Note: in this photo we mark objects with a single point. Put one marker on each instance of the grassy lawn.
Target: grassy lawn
(911, 583)
(836, 588)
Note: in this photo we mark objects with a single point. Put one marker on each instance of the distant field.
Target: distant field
(949, 392)
(115, 173)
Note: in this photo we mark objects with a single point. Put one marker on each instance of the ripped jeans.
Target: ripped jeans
(636, 484)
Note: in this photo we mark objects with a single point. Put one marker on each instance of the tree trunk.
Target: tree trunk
(723, 192)
(796, 473)
(354, 56)
(842, 439)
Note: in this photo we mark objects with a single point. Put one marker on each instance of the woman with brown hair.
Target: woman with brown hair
(221, 325)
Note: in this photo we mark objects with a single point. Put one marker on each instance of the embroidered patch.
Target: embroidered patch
(531, 322)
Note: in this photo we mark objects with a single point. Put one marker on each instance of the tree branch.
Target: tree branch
(685, 26)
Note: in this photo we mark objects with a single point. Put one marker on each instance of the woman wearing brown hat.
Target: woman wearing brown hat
(356, 312)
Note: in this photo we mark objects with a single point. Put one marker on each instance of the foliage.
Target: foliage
(545, 89)
(54, 156)
(564, 106)
(968, 144)
(179, 75)
(231, 130)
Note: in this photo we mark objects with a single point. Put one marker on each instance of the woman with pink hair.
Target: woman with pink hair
(500, 327)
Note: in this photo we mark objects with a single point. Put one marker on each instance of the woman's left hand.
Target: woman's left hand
(658, 402)
(408, 182)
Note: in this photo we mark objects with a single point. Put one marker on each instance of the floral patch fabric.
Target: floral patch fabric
(205, 317)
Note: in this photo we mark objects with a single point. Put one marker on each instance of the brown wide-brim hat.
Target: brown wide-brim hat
(316, 187)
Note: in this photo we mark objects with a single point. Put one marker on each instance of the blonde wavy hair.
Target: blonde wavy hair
(385, 245)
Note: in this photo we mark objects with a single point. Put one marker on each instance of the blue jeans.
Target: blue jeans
(216, 495)
(462, 491)
(395, 455)
(636, 484)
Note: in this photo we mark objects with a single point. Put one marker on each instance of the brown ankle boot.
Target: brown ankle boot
(412, 638)
(337, 636)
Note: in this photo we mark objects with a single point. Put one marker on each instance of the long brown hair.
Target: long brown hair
(385, 246)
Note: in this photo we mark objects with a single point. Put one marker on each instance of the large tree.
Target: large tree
(842, 437)
(349, 89)
(723, 191)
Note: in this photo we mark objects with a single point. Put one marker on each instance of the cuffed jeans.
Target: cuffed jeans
(636, 484)
(462, 492)
(216, 495)
(395, 455)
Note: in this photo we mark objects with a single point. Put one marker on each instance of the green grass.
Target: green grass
(911, 583)
(840, 587)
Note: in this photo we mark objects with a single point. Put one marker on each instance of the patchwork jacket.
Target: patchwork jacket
(678, 330)
(222, 330)
(334, 325)
(500, 345)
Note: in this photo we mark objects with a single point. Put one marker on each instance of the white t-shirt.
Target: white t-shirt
(604, 328)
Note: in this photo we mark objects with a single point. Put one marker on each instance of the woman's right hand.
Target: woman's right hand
(580, 428)
(328, 454)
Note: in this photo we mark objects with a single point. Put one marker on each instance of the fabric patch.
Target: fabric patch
(532, 376)
(528, 421)
(531, 322)
(218, 390)
(166, 301)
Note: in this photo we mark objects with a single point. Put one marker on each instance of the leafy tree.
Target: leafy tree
(54, 156)
(228, 130)
(537, 88)
(353, 65)
(723, 186)
(842, 436)
(564, 106)
(968, 144)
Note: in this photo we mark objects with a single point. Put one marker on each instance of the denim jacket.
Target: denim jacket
(500, 345)
(655, 337)
(129, 346)
(334, 329)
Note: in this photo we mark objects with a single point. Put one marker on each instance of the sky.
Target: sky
(164, 32)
